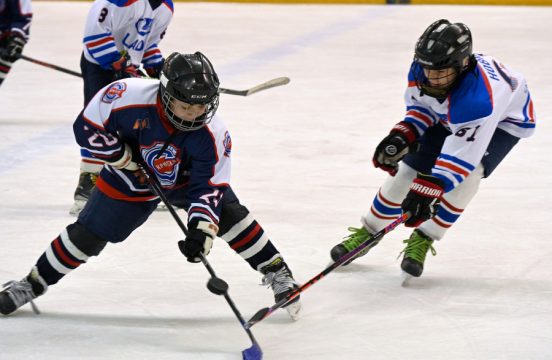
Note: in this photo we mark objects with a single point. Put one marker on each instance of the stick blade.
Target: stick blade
(259, 315)
(252, 353)
(266, 85)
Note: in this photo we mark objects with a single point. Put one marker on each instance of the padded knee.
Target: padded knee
(231, 214)
(87, 242)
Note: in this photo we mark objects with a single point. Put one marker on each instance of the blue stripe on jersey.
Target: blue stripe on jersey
(122, 3)
(471, 100)
(447, 215)
(101, 48)
(169, 4)
(154, 59)
(422, 110)
(106, 60)
(525, 113)
(521, 125)
(448, 185)
(419, 124)
(95, 37)
(454, 159)
(384, 209)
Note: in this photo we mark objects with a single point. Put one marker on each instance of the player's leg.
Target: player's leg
(247, 238)
(94, 78)
(103, 220)
(453, 204)
(5, 66)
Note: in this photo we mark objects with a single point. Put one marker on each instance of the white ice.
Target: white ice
(302, 164)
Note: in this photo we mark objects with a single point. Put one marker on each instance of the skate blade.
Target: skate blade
(294, 310)
(406, 279)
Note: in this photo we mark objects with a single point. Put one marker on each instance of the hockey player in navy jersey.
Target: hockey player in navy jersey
(168, 126)
(15, 23)
(464, 113)
(119, 37)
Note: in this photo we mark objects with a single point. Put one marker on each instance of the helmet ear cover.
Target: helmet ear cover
(189, 78)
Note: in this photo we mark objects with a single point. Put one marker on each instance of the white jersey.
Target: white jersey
(489, 97)
(114, 26)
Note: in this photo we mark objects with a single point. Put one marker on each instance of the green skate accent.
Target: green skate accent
(417, 247)
(355, 239)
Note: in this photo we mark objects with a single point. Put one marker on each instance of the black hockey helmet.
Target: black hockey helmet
(189, 78)
(442, 45)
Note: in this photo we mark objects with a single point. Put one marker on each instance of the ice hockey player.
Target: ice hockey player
(170, 127)
(15, 23)
(119, 36)
(464, 113)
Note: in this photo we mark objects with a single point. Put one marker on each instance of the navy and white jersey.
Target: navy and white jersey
(15, 17)
(489, 97)
(114, 26)
(192, 167)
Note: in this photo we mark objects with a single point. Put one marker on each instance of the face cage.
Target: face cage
(425, 87)
(184, 125)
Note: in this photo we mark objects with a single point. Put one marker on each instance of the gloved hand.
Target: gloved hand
(124, 68)
(125, 162)
(14, 48)
(423, 199)
(154, 71)
(199, 240)
(400, 141)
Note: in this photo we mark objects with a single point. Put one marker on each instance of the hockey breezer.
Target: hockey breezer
(264, 86)
(373, 241)
(215, 284)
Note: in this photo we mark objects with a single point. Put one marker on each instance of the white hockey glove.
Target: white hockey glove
(125, 162)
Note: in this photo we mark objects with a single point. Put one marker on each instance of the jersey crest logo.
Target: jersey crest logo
(227, 144)
(144, 26)
(114, 92)
(165, 165)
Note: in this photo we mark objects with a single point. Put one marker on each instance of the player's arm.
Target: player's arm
(21, 15)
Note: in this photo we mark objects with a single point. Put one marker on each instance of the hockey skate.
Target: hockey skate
(17, 293)
(415, 253)
(278, 276)
(356, 237)
(87, 181)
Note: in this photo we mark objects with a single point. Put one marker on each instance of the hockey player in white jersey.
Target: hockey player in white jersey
(171, 128)
(464, 113)
(119, 37)
(15, 23)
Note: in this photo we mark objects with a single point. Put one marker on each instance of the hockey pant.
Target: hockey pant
(105, 220)
(386, 205)
(5, 68)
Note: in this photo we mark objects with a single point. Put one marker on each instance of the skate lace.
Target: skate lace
(417, 247)
(21, 292)
(280, 281)
(356, 238)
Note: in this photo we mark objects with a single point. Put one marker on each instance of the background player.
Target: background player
(15, 23)
(118, 38)
(170, 127)
(464, 113)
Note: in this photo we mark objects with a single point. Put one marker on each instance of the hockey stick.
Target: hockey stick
(265, 312)
(266, 85)
(215, 284)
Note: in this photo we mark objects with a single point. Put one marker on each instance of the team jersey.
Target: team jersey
(114, 26)
(15, 17)
(192, 167)
(489, 97)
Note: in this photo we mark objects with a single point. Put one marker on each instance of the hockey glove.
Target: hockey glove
(124, 68)
(400, 141)
(155, 71)
(125, 161)
(423, 199)
(199, 240)
(14, 48)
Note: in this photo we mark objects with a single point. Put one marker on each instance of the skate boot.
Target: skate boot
(278, 275)
(356, 237)
(87, 181)
(415, 253)
(18, 293)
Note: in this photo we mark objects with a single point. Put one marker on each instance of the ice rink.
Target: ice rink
(302, 164)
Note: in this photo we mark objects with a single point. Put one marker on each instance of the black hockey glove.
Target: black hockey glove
(423, 199)
(124, 68)
(400, 141)
(155, 71)
(13, 49)
(199, 240)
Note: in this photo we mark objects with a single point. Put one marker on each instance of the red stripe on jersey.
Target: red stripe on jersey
(412, 84)
(420, 116)
(151, 52)
(448, 205)
(441, 224)
(109, 191)
(99, 42)
(385, 201)
(88, 161)
(4, 68)
(452, 167)
(248, 238)
(61, 253)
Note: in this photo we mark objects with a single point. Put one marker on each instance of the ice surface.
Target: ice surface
(302, 164)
